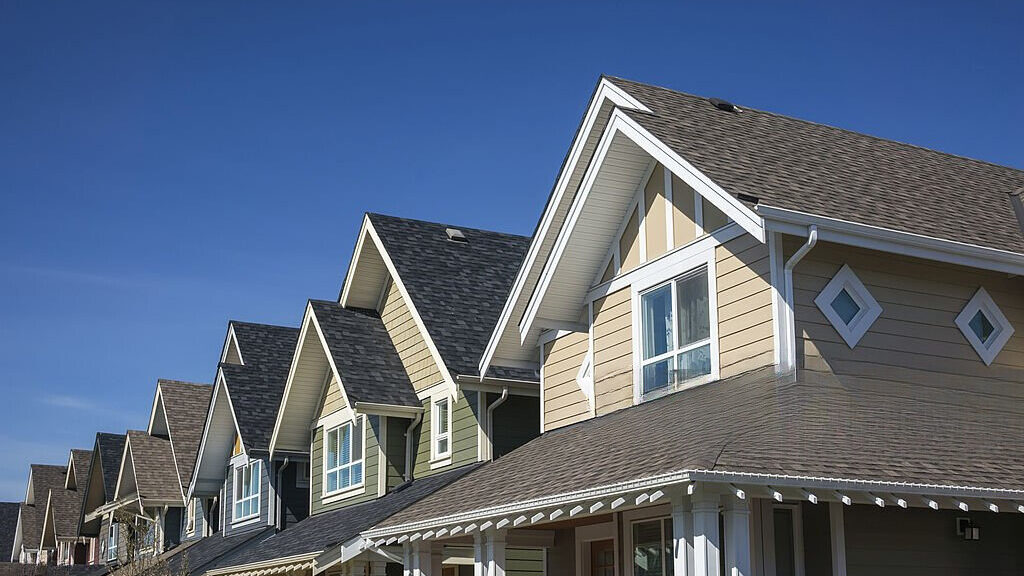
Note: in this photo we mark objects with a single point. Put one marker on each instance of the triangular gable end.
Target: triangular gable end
(367, 280)
(231, 353)
(94, 492)
(126, 484)
(219, 434)
(48, 538)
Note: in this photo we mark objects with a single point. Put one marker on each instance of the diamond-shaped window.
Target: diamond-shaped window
(984, 326)
(848, 306)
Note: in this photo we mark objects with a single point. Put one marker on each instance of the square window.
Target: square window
(984, 325)
(848, 306)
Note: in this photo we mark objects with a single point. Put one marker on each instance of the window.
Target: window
(344, 465)
(190, 516)
(984, 326)
(149, 538)
(676, 333)
(112, 537)
(247, 491)
(302, 474)
(848, 306)
(652, 548)
(440, 428)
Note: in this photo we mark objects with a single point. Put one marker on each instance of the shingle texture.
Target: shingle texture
(110, 449)
(81, 459)
(799, 165)
(196, 556)
(155, 476)
(45, 477)
(458, 288)
(367, 362)
(256, 387)
(66, 507)
(185, 406)
(759, 423)
(321, 531)
(8, 526)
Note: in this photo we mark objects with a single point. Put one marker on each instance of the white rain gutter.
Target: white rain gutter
(490, 421)
(790, 328)
(408, 445)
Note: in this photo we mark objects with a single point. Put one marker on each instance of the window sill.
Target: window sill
(330, 498)
(677, 388)
(440, 461)
(245, 521)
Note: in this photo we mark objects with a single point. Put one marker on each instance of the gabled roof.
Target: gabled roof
(108, 452)
(79, 466)
(152, 465)
(8, 525)
(265, 344)
(60, 519)
(368, 364)
(813, 168)
(44, 477)
(759, 425)
(184, 406)
(195, 556)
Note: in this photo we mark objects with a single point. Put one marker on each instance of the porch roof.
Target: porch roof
(761, 428)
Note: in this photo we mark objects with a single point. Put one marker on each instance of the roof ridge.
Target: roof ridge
(819, 124)
(418, 220)
(186, 382)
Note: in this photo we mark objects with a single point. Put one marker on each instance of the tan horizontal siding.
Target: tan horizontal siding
(613, 352)
(334, 400)
(745, 328)
(408, 340)
(564, 402)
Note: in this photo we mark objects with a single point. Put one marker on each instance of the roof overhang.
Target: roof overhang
(499, 385)
(275, 566)
(112, 506)
(376, 409)
(217, 441)
(48, 525)
(350, 550)
(893, 241)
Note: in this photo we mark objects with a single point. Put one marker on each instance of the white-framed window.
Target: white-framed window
(441, 428)
(676, 329)
(343, 465)
(651, 540)
(246, 495)
(984, 325)
(302, 474)
(113, 531)
(848, 305)
(190, 516)
(149, 538)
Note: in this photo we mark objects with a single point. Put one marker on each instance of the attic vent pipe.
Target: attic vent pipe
(455, 235)
(724, 105)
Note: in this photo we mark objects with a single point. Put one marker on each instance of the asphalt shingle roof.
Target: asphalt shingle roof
(808, 167)
(458, 288)
(155, 475)
(321, 531)
(817, 426)
(257, 386)
(81, 459)
(185, 405)
(110, 450)
(195, 556)
(8, 526)
(45, 477)
(368, 363)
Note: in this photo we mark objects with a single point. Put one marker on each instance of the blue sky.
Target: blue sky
(167, 166)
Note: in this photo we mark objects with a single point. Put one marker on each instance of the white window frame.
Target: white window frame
(435, 436)
(190, 517)
(239, 469)
(113, 534)
(629, 520)
(982, 302)
(302, 475)
(352, 489)
(675, 268)
(870, 309)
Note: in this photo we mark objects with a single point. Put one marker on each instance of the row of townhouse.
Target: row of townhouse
(736, 343)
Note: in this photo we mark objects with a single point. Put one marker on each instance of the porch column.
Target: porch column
(706, 543)
(682, 534)
(408, 558)
(495, 553)
(378, 568)
(479, 555)
(737, 536)
(838, 532)
(421, 564)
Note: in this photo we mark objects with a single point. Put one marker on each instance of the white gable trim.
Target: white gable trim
(620, 123)
(306, 319)
(125, 457)
(346, 412)
(368, 231)
(229, 341)
(605, 92)
(217, 385)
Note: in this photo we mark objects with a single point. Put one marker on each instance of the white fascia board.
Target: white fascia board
(893, 241)
(125, 457)
(231, 408)
(621, 123)
(353, 262)
(606, 91)
(206, 432)
(278, 420)
(231, 340)
(377, 409)
(347, 412)
(152, 411)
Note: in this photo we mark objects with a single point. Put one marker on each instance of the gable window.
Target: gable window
(440, 428)
(984, 326)
(190, 516)
(848, 306)
(675, 329)
(343, 467)
(112, 536)
(246, 495)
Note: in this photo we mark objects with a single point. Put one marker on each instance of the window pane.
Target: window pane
(442, 445)
(656, 312)
(345, 456)
(357, 473)
(693, 363)
(442, 416)
(332, 481)
(981, 326)
(332, 449)
(669, 564)
(845, 306)
(657, 375)
(785, 564)
(254, 488)
(647, 548)
(694, 321)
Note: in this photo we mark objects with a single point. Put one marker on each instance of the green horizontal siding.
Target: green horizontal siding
(465, 423)
(370, 469)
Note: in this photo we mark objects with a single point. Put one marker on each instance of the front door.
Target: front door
(602, 558)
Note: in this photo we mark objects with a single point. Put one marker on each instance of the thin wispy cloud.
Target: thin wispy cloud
(81, 405)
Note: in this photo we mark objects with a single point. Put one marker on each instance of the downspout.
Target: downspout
(490, 421)
(408, 445)
(277, 492)
(812, 239)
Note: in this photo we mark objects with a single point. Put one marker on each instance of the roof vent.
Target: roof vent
(724, 105)
(455, 235)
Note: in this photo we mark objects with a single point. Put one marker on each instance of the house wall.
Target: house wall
(294, 497)
(200, 523)
(333, 399)
(564, 402)
(266, 493)
(408, 340)
(370, 470)
(465, 427)
(745, 327)
(915, 340)
(516, 422)
(395, 451)
(613, 352)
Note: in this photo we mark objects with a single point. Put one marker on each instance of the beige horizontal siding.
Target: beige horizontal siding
(564, 402)
(333, 399)
(613, 352)
(407, 338)
(745, 328)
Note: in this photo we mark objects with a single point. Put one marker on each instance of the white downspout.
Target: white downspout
(490, 421)
(408, 445)
(277, 492)
(812, 239)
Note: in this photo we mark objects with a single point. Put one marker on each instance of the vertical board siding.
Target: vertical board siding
(684, 213)
(655, 228)
(564, 402)
(915, 340)
(745, 329)
(370, 469)
(613, 352)
(408, 340)
(629, 244)
(465, 428)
